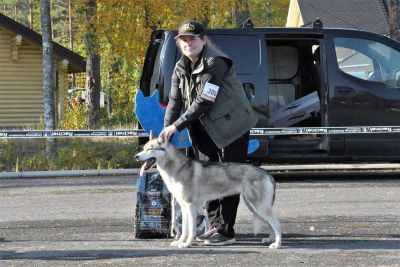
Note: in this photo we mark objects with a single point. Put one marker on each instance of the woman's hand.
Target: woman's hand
(169, 131)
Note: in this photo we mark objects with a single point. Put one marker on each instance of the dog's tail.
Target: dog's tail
(257, 220)
(259, 209)
(257, 224)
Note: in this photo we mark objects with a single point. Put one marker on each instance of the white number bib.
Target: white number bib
(210, 92)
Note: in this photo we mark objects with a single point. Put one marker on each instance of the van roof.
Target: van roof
(284, 30)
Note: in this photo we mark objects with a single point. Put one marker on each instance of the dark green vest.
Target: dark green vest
(232, 114)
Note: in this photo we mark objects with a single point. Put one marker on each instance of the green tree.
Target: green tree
(17, 10)
(268, 12)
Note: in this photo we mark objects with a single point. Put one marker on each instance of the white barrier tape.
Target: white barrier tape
(253, 132)
(72, 133)
(325, 130)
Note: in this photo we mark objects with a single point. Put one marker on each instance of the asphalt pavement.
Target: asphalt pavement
(89, 221)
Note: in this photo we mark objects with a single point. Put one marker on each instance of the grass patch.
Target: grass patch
(72, 154)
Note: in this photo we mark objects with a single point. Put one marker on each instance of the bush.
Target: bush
(72, 154)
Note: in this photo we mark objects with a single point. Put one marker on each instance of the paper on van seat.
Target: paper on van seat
(294, 112)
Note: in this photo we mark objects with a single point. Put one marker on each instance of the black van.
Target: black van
(305, 77)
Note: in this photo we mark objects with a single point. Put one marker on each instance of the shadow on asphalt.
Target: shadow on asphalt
(345, 244)
(243, 243)
(318, 241)
(110, 254)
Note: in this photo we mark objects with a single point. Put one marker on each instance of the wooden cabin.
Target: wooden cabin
(21, 79)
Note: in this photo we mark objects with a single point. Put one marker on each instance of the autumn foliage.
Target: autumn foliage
(123, 29)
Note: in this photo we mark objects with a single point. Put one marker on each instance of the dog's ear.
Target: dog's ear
(151, 135)
(162, 138)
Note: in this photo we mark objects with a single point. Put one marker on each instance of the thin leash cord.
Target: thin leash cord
(170, 220)
(168, 234)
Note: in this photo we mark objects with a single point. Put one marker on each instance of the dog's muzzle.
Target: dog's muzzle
(148, 163)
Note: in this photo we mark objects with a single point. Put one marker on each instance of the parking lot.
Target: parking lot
(78, 221)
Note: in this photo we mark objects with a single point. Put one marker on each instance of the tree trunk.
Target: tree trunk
(48, 75)
(242, 12)
(394, 22)
(52, 19)
(92, 68)
(31, 14)
(71, 37)
(268, 14)
(109, 98)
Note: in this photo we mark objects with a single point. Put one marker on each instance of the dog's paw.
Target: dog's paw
(174, 243)
(184, 245)
(275, 245)
(267, 240)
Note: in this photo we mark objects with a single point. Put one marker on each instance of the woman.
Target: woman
(217, 113)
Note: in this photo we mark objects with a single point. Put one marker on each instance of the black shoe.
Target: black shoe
(218, 239)
(206, 235)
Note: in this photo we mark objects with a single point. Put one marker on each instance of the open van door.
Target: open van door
(248, 52)
(297, 80)
(150, 65)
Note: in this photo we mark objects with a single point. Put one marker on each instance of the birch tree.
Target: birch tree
(48, 74)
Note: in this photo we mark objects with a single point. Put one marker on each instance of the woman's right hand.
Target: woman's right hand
(169, 131)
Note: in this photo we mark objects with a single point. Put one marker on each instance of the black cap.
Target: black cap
(190, 27)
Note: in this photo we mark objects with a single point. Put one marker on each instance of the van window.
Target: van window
(283, 65)
(245, 51)
(368, 60)
(283, 62)
(157, 78)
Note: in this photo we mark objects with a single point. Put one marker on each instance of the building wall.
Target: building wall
(21, 90)
(294, 18)
(21, 97)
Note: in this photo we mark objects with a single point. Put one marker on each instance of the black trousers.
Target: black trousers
(221, 212)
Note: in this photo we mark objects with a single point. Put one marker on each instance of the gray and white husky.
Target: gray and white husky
(194, 182)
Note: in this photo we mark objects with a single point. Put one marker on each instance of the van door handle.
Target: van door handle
(249, 88)
(344, 91)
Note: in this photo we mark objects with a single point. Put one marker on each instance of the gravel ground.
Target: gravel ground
(81, 221)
